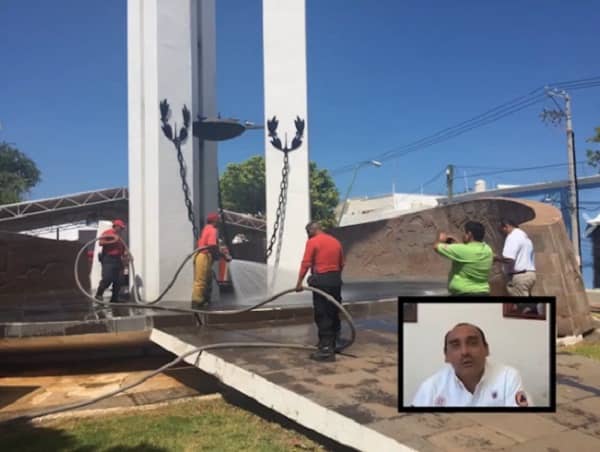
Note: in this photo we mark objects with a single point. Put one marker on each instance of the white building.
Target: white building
(79, 231)
(367, 209)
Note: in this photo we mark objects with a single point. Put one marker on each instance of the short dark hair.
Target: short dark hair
(476, 229)
(508, 222)
(465, 324)
(313, 223)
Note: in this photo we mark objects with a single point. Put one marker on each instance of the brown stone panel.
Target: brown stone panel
(401, 248)
(33, 265)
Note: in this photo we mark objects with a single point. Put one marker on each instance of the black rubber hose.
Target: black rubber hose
(151, 305)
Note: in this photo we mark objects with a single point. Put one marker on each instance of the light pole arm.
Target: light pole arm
(343, 210)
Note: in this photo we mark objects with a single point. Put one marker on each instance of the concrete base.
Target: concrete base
(65, 320)
(57, 321)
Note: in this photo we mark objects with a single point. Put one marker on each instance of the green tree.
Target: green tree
(324, 196)
(243, 190)
(18, 174)
(593, 155)
(243, 186)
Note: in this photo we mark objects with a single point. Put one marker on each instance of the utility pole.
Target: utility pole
(450, 180)
(556, 116)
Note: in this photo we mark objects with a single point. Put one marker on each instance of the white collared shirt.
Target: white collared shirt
(500, 386)
(519, 248)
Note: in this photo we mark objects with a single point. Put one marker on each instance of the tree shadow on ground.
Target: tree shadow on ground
(27, 437)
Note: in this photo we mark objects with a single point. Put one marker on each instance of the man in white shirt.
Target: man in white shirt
(518, 259)
(468, 379)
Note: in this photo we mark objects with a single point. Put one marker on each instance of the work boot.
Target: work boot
(325, 353)
(340, 344)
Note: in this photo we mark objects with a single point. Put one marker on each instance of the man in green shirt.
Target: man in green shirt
(471, 261)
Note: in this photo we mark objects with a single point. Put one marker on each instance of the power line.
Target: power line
(594, 78)
(583, 87)
(577, 83)
(557, 105)
(490, 173)
(430, 181)
(509, 169)
(517, 170)
(491, 115)
(508, 108)
(450, 132)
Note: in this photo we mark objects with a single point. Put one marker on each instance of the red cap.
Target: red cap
(212, 217)
(119, 223)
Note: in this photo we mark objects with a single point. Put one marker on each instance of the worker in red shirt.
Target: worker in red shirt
(111, 258)
(209, 237)
(324, 256)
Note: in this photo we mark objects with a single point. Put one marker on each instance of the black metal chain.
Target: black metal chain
(283, 204)
(283, 187)
(177, 138)
(186, 190)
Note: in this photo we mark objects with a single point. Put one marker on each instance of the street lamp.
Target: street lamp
(217, 129)
(358, 166)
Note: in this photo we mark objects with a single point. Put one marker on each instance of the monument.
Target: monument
(172, 55)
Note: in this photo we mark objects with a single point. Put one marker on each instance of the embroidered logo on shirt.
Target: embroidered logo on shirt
(521, 399)
(495, 395)
(440, 401)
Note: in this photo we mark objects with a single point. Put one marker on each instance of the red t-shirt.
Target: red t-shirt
(208, 237)
(323, 253)
(112, 249)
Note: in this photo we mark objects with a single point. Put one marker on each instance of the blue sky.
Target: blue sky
(380, 74)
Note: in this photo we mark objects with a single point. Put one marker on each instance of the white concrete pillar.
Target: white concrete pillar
(204, 78)
(284, 46)
(164, 61)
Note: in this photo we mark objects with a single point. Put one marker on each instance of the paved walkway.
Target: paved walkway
(354, 400)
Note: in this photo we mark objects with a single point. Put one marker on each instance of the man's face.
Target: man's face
(311, 230)
(465, 351)
(503, 229)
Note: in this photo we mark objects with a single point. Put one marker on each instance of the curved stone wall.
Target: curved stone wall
(392, 249)
(32, 265)
(401, 248)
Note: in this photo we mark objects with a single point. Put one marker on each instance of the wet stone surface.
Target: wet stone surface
(362, 386)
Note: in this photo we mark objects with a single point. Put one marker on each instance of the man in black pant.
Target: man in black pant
(111, 257)
(325, 257)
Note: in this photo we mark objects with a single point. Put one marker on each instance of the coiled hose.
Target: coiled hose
(139, 303)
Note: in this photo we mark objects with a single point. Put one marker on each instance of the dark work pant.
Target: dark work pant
(327, 316)
(111, 274)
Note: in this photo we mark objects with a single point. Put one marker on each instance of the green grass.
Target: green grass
(588, 350)
(189, 426)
